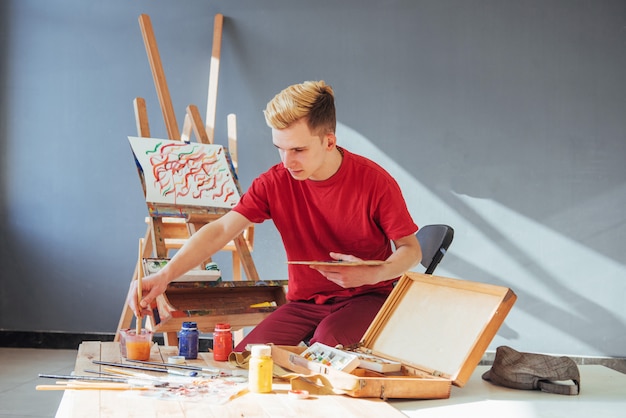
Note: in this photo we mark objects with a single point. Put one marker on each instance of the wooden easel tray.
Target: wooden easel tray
(438, 328)
(153, 265)
(241, 304)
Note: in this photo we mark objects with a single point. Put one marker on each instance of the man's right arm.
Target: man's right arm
(207, 241)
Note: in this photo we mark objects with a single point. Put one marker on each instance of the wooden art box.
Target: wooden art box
(437, 328)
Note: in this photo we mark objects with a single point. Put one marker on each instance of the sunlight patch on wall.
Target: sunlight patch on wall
(522, 252)
(549, 254)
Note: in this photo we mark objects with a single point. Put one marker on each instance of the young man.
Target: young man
(327, 203)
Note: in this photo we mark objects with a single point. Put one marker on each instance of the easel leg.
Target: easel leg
(170, 338)
(126, 317)
(246, 258)
(236, 266)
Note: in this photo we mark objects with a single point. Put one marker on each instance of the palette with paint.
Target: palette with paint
(331, 357)
(342, 263)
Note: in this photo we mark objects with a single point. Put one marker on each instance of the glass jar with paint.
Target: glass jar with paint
(188, 340)
(136, 346)
(222, 342)
(260, 372)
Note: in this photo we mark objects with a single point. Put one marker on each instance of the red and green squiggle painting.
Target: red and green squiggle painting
(185, 174)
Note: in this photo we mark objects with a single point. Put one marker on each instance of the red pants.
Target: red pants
(338, 322)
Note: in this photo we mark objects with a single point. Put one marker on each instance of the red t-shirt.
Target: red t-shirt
(357, 211)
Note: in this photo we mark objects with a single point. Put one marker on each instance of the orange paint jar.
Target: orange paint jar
(138, 345)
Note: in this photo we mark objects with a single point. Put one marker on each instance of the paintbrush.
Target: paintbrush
(134, 376)
(105, 373)
(136, 380)
(91, 386)
(179, 366)
(139, 289)
(89, 378)
(147, 369)
(130, 366)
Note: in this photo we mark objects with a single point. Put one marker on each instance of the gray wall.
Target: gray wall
(504, 119)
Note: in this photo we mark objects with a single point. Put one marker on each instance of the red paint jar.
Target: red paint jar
(222, 342)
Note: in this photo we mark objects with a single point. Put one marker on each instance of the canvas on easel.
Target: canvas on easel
(184, 174)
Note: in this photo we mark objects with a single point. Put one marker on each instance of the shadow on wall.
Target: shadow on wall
(565, 286)
(562, 303)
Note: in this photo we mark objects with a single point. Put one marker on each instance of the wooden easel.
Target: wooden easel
(164, 234)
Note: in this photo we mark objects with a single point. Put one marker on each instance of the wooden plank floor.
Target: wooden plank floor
(603, 393)
(83, 403)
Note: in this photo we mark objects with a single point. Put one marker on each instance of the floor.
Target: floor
(19, 371)
(20, 368)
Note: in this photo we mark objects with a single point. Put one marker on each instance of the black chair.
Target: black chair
(434, 240)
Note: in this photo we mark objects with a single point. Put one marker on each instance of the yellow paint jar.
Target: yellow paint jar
(261, 367)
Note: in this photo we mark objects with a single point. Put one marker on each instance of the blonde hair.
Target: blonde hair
(313, 100)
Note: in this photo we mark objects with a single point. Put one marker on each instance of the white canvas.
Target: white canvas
(185, 174)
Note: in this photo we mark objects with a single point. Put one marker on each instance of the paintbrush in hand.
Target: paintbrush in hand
(139, 290)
